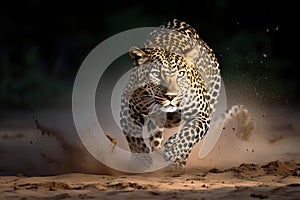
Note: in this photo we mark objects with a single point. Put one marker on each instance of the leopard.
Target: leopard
(175, 81)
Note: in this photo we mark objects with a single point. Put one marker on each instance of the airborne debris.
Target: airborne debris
(112, 139)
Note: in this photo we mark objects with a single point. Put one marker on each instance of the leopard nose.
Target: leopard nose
(169, 97)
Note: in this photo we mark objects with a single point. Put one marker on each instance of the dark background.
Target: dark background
(43, 43)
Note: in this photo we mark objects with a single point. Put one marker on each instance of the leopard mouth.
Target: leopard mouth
(169, 106)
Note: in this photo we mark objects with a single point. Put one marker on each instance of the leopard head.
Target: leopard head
(166, 78)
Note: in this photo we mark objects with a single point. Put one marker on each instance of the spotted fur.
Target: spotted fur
(176, 79)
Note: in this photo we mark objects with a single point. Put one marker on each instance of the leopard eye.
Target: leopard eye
(156, 74)
(181, 74)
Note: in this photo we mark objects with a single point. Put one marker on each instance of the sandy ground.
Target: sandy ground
(51, 164)
(248, 181)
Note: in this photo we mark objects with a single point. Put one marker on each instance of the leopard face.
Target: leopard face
(168, 79)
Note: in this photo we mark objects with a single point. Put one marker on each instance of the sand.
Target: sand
(44, 163)
(248, 181)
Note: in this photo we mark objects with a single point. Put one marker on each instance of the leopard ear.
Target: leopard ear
(138, 56)
(193, 54)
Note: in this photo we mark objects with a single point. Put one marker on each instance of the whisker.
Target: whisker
(160, 99)
(148, 104)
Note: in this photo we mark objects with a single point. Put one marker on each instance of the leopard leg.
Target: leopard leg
(155, 127)
(140, 151)
(137, 145)
(179, 146)
(132, 125)
(156, 140)
(156, 124)
(133, 131)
